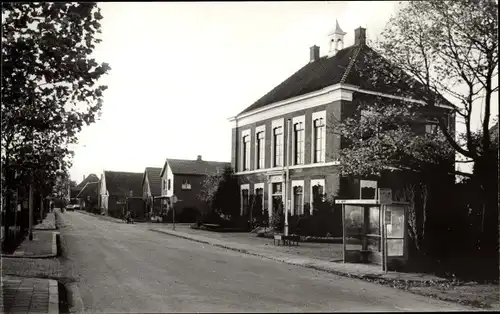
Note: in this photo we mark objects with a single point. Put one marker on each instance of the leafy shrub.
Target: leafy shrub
(189, 214)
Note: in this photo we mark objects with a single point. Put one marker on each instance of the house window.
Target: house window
(245, 201)
(164, 184)
(298, 195)
(299, 143)
(168, 185)
(317, 192)
(260, 150)
(259, 197)
(278, 146)
(246, 152)
(244, 198)
(430, 128)
(186, 185)
(319, 140)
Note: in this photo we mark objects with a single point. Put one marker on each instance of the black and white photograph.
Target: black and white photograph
(249, 156)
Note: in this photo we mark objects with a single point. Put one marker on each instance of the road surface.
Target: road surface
(126, 268)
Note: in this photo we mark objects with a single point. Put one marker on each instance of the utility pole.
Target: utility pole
(287, 178)
(31, 212)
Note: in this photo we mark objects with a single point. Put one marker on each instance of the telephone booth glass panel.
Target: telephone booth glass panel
(395, 230)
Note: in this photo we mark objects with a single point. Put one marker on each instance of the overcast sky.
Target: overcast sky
(180, 70)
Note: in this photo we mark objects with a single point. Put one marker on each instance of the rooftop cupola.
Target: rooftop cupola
(336, 39)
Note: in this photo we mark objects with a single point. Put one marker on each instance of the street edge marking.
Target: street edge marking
(53, 297)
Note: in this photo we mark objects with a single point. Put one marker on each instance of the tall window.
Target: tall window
(168, 185)
(297, 200)
(186, 185)
(278, 146)
(319, 140)
(259, 198)
(317, 194)
(246, 152)
(244, 201)
(260, 150)
(299, 143)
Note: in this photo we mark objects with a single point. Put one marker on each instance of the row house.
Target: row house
(151, 188)
(302, 111)
(184, 179)
(121, 191)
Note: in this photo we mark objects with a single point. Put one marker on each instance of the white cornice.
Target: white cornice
(310, 100)
(281, 169)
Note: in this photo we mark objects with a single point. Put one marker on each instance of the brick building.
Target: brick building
(116, 188)
(306, 105)
(184, 178)
(151, 187)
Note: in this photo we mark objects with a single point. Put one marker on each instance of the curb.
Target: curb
(53, 297)
(290, 261)
(112, 219)
(21, 254)
(74, 298)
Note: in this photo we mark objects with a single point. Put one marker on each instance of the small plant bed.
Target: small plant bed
(482, 296)
(216, 228)
(337, 240)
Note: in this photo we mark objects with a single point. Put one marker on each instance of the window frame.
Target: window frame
(295, 184)
(314, 182)
(186, 184)
(277, 124)
(243, 134)
(296, 145)
(278, 153)
(260, 147)
(318, 130)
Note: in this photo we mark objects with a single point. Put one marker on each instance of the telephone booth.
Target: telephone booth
(375, 233)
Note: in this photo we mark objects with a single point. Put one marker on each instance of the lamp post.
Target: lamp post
(287, 178)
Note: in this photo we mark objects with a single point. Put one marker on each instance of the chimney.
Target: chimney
(314, 53)
(199, 158)
(83, 178)
(360, 36)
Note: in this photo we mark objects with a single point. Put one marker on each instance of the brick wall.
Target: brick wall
(189, 197)
(333, 111)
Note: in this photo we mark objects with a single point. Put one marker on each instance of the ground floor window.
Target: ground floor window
(298, 196)
(244, 201)
(317, 192)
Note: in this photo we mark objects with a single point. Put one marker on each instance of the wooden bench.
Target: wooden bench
(290, 239)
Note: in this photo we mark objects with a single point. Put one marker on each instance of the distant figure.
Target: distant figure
(128, 216)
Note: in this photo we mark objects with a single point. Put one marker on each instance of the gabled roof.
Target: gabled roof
(311, 77)
(90, 189)
(90, 178)
(154, 179)
(354, 65)
(194, 167)
(121, 183)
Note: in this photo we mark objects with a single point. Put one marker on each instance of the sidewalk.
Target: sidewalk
(326, 257)
(44, 243)
(49, 223)
(28, 295)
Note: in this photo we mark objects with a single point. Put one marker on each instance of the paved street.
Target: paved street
(126, 268)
